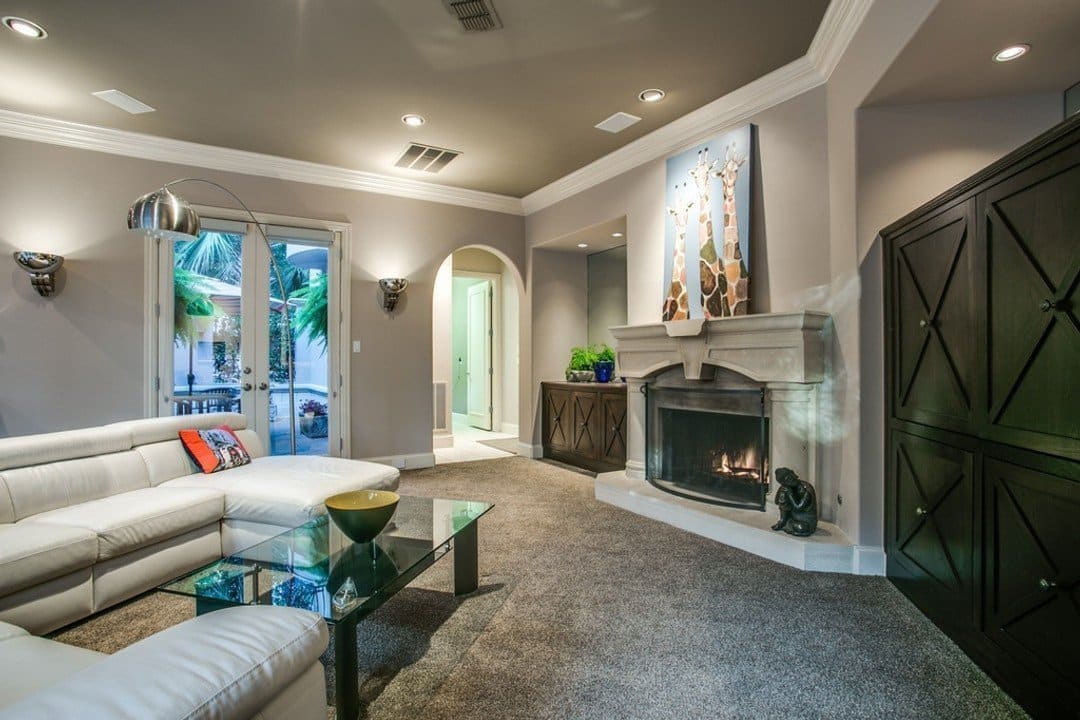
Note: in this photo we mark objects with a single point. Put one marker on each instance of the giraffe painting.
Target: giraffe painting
(707, 276)
(713, 283)
(736, 277)
(677, 302)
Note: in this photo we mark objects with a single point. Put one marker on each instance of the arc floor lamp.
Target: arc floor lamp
(164, 214)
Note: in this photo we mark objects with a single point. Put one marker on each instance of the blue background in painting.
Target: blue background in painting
(678, 173)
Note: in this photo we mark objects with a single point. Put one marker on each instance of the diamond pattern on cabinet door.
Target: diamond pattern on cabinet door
(614, 419)
(1033, 331)
(934, 322)
(931, 530)
(558, 419)
(585, 428)
(1033, 568)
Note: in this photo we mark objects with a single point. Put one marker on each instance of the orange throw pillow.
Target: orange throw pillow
(215, 449)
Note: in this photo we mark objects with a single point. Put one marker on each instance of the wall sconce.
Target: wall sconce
(42, 269)
(391, 290)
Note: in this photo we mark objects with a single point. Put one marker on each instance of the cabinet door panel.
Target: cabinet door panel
(930, 541)
(933, 321)
(1032, 229)
(558, 417)
(1033, 568)
(585, 433)
(614, 428)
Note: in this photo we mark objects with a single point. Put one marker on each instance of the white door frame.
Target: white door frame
(496, 340)
(159, 299)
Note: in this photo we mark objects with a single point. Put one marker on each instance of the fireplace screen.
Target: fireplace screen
(709, 445)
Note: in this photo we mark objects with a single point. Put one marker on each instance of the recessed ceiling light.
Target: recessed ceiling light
(583, 245)
(413, 120)
(1011, 53)
(25, 27)
(651, 95)
(616, 234)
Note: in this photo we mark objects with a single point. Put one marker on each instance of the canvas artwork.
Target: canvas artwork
(708, 188)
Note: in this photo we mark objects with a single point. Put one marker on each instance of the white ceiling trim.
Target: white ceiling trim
(149, 147)
(838, 26)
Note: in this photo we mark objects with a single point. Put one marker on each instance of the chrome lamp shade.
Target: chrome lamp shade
(164, 214)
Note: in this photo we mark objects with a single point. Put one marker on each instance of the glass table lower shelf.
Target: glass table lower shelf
(316, 567)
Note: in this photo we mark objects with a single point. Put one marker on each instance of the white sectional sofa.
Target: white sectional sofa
(89, 518)
(238, 663)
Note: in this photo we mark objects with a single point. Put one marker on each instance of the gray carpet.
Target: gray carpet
(587, 611)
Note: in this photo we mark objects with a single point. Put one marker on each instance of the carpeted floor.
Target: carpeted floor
(587, 611)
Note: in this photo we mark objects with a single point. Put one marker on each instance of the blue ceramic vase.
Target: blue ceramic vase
(604, 370)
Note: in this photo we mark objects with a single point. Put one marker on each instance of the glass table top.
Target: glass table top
(316, 567)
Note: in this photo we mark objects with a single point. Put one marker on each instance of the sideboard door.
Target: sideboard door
(558, 416)
(585, 433)
(613, 416)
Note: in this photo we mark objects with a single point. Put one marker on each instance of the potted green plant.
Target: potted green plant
(582, 360)
(314, 422)
(604, 366)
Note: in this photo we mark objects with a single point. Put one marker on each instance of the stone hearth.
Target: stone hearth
(781, 353)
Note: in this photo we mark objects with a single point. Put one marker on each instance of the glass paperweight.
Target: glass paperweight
(346, 595)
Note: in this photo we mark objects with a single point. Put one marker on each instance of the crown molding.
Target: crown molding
(149, 147)
(842, 18)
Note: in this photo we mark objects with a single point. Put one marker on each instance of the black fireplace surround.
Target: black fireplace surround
(708, 444)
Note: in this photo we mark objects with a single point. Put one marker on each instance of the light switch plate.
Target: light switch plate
(356, 346)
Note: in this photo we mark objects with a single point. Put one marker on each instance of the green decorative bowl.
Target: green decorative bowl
(362, 514)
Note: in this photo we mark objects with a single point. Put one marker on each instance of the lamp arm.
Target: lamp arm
(281, 284)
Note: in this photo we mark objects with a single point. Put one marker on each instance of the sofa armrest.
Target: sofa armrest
(227, 664)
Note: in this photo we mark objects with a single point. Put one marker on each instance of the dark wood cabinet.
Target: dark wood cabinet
(982, 370)
(583, 424)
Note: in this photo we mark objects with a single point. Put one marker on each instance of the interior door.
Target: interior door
(479, 374)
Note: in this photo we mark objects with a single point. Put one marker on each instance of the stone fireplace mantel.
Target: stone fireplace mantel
(767, 348)
(782, 353)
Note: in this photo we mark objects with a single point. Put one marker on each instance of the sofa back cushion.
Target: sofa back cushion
(48, 486)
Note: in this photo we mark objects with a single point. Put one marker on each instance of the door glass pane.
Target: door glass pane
(304, 271)
(206, 324)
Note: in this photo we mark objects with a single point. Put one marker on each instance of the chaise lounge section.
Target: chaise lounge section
(92, 517)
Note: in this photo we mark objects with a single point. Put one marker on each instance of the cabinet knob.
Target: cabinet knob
(1048, 304)
(920, 511)
(1046, 585)
(924, 323)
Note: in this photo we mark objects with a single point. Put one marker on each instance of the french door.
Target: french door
(226, 323)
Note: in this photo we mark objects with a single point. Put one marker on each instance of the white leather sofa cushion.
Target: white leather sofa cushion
(167, 460)
(32, 554)
(52, 447)
(40, 488)
(289, 490)
(139, 518)
(151, 430)
(226, 664)
(29, 664)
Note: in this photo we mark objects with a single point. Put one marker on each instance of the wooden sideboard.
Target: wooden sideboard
(584, 424)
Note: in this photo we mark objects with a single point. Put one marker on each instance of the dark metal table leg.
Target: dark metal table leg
(466, 560)
(346, 684)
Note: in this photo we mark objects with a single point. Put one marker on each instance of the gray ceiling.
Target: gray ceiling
(950, 56)
(327, 80)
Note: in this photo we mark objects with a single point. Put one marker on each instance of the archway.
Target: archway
(477, 303)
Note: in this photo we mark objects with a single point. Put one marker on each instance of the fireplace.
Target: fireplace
(708, 444)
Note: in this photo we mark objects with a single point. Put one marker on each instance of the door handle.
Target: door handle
(263, 386)
(246, 387)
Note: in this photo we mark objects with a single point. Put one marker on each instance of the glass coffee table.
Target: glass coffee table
(316, 567)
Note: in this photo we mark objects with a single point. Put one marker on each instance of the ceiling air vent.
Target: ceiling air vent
(617, 122)
(474, 15)
(425, 157)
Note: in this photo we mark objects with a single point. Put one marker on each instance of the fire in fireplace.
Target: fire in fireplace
(709, 445)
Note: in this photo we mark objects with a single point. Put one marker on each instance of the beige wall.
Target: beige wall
(607, 294)
(558, 299)
(77, 359)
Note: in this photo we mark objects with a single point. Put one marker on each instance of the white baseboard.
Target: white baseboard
(509, 428)
(414, 461)
(442, 439)
(530, 451)
(869, 560)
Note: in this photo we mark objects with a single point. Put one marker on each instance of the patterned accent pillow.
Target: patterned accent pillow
(215, 449)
